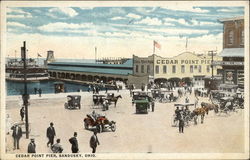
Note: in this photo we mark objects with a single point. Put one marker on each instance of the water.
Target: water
(17, 88)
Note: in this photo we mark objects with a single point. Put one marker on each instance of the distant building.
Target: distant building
(233, 51)
(187, 67)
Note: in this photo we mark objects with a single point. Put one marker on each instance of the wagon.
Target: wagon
(98, 99)
(73, 102)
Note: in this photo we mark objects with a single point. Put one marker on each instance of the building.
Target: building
(233, 51)
(187, 67)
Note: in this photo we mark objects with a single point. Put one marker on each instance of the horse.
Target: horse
(196, 112)
(209, 106)
(115, 99)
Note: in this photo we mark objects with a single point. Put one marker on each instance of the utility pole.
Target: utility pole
(95, 54)
(25, 95)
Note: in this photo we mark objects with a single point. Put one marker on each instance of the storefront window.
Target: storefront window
(242, 38)
(182, 69)
(148, 68)
(157, 69)
(191, 69)
(199, 70)
(164, 69)
(208, 68)
(142, 68)
(230, 37)
(173, 69)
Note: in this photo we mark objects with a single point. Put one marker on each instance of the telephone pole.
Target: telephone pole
(25, 95)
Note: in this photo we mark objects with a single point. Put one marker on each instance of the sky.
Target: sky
(74, 32)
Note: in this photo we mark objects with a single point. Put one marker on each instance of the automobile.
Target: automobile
(98, 122)
(73, 102)
(139, 94)
(142, 106)
(216, 95)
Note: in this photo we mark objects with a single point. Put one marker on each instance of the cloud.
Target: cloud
(117, 18)
(180, 20)
(186, 9)
(86, 8)
(209, 23)
(177, 31)
(69, 12)
(150, 21)
(61, 26)
(135, 16)
(17, 13)
(16, 24)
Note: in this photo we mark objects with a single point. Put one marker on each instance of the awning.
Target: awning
(232, 52)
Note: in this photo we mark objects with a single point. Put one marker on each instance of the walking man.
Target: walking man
(40, 92)
(32, 146)
(17, 134)
(51, 133)
(153, 104)
(181, 124)
(74, 143)
(57, 148)
(22, 113)
(93, 142)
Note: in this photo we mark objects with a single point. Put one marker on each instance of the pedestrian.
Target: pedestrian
(35, 90)
(22, 113)
(57, 148)
(106, 88)
(40, 92)
(74, 143)
(94, 142)
(51, 133)
(181, 124)
(89, 88)
(153, 105)
(32, 146)
(17, 134)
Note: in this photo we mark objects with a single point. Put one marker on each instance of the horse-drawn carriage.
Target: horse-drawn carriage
(227, 104)
(163, 96)
(98, 122)
(216, 95)
(73, 102)
(183, 113)
(98, 99)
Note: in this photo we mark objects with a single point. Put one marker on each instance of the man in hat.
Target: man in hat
(51, 133)
(94, 141)
(57, 148)
(17, 134)
(32, 146)
(74, 143)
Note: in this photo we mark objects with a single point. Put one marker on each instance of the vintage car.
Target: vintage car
(138, 94)
(73, 102)
(142, 106)
(98, 122)
(216, 95)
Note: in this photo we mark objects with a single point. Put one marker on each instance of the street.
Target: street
(135, 133)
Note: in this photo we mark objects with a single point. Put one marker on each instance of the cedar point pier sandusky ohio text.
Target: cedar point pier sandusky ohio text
(134, 80)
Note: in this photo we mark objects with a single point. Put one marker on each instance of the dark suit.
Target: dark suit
(93, 143)
(181, 125)
(74, 145)
(22, 113)
(17, 134)
(51, 134)
(32, 148)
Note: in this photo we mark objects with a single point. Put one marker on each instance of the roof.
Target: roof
(231, 19)
(232, 52)
(119, 69)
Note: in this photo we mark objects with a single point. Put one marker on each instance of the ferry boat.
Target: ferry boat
(15, 71)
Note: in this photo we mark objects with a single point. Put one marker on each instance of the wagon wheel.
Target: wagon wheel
(99, 128)
(113, 127)
(86, 125)
(174, 122)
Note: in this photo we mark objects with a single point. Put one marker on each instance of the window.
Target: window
(142, 68)
(136, 68)
(148, 68)
(208, 68)
(173, 69)
(157, 69)
(164, 69)
(230, 37)
(199, 70)
(242, 38)
(191, 69)
(182, 69)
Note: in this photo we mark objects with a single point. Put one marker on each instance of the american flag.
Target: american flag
(157, 45)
